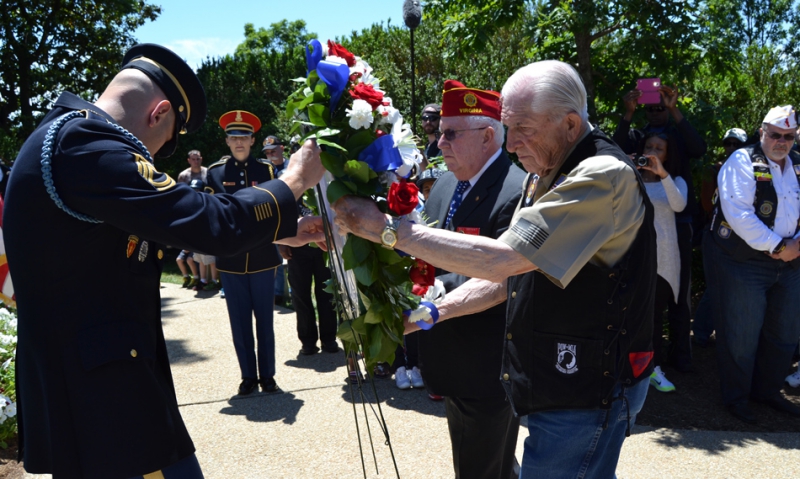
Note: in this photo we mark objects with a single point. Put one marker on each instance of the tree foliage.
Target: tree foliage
(48, 46)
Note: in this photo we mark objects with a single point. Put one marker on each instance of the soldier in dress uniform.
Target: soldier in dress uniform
(88, 213)
(249, 277)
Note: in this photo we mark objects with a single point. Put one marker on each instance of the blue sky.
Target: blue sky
(196, 29)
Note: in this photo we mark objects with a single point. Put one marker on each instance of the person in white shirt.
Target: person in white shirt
(754, 251)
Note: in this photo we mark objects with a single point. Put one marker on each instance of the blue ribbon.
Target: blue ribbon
(381, 155)
(313, 55)
(424, 325)
(336, 76)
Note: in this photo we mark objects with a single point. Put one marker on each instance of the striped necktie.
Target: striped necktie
(456, 201)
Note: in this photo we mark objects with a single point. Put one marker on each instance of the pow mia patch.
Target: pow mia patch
(567, 358)
(766, 208)
(724, 230)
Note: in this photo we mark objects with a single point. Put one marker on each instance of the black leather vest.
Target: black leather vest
(765, 204)
(568, 348)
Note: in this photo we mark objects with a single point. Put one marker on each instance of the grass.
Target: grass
(171, 273)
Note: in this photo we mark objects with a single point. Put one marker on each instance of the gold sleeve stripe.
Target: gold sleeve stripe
(263, 211)
(278, 227)
(149, 173)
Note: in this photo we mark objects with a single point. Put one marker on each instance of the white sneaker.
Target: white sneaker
(793, 380)
(659, 381)
(416, 378)
(401, 378)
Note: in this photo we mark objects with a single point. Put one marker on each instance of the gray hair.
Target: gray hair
(555, 89)
(474, 121)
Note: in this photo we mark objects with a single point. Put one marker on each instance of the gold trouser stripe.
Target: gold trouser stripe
(154, 475)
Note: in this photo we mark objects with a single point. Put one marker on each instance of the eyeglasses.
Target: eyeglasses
(450, 135)
(777, 136)
(430, 118)
(655, 109)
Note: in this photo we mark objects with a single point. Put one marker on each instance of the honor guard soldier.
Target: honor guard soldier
(87, 214)
(249, 277)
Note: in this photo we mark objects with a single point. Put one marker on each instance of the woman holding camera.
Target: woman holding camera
(659, 167)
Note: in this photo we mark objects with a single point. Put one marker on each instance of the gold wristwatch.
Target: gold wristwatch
(389, 233)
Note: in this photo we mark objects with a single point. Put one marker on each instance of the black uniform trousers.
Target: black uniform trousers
(476, 424)
(308, 263)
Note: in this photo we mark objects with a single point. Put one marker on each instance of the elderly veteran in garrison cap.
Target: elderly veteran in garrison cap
(577, 268)
(753, 253)
(88, 215)
(460, 359)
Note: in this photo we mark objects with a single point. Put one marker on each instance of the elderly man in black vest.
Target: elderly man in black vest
(577, 267)
(753, 251)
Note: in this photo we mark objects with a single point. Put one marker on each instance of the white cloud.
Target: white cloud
(195, 50)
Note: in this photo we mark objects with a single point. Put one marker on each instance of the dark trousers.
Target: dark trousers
(664, 297)
(247, 295)
(308, 263)
(483, 435)
(680, 313)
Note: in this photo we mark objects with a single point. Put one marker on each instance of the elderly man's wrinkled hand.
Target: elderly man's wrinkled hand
(305, 163)
(359, 216)
(309, 230)
(790, 253)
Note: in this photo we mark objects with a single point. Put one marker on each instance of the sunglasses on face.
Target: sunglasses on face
(655, 109)
(451, 135)
(430, 118)
(777, 136)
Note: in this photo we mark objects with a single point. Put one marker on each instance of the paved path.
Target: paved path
(309, 431)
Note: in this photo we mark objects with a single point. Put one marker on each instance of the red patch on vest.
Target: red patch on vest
(468, 231)
(639, 362)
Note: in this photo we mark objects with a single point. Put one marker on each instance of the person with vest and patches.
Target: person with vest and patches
(249, 277)
(577, 269)
(753, 253)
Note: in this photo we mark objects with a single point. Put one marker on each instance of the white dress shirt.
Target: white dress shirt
(737, 190)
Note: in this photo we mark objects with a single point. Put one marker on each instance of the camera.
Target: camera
(641, 160)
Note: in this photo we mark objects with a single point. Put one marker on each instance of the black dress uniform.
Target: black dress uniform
(461, 358)
(95, 393)
(249, 279)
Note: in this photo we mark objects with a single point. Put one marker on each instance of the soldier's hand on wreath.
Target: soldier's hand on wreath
(285, 251)
(309, 230)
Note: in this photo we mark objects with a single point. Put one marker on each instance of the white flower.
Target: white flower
(361, 67)
(7, 363)
(335, 59)
(387, 178)
(435, 293)
(415, 217)
(388, 113)
(11, 410)
(422, 313)
(405, 144)
(361, 114)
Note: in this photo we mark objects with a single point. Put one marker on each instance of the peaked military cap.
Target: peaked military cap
(178, 82)
(239, 123)
(271, 142)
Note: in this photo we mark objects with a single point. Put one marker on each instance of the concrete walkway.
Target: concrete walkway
(309, 430)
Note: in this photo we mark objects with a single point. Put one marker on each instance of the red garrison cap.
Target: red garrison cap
(458, 100)
(239, 123)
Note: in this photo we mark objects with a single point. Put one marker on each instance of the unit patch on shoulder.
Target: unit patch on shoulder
(160, 181)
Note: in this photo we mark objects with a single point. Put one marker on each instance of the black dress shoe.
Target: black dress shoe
(742, 411)
(780, 403)
(309, 350)
(269, 385)
(248, 386)
(331, 347)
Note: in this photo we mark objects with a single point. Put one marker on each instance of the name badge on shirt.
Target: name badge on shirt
(228, 183)
(468, 230)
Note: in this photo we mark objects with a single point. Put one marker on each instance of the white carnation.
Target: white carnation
(335, 59)
(361, 115)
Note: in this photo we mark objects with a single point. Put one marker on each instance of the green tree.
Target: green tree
(48, 46)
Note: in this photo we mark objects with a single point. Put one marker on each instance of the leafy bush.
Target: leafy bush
(8, 391)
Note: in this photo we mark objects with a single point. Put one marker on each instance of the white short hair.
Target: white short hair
(555, 88)
(475, 121)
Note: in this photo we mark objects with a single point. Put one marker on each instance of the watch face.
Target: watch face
(388, 237)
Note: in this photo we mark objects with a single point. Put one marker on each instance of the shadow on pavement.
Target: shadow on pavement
(321, 362)
(180, 354)
(261, 407)
(718, 442)
(390, 396)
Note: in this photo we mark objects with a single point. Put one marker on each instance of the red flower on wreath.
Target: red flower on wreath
(423, 275)
(403, 197)
(363, 91)
(339, 51)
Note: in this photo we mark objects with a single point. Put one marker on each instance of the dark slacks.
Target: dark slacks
(483, 435)
(308, 264)
(247, 295)
(680, 313)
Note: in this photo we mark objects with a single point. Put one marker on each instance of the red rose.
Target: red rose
(403, 198)
(422, 274)
(339, 51)
(419, 290)
(365, 92)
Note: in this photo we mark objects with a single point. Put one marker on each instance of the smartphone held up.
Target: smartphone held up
(649, 88)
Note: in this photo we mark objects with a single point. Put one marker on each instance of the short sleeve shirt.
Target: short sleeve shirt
(186, 176)
(591, 216)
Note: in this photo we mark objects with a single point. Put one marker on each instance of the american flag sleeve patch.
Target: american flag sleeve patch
(529, 232)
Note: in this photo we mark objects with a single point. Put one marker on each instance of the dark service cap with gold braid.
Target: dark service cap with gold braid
(239, 123)
(178, 82)
(459, 100)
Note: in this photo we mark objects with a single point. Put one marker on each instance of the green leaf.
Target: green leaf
(358, 170)
(336, 190)
(396, 273)
(320, 141)
(345, 332)
(360, 140)
(356, 251)
(374, 315)
(386, 255)
(327, 132)
(375, 343)
(332, 163)
(318, 114)
(367, 272)
(359, 325)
